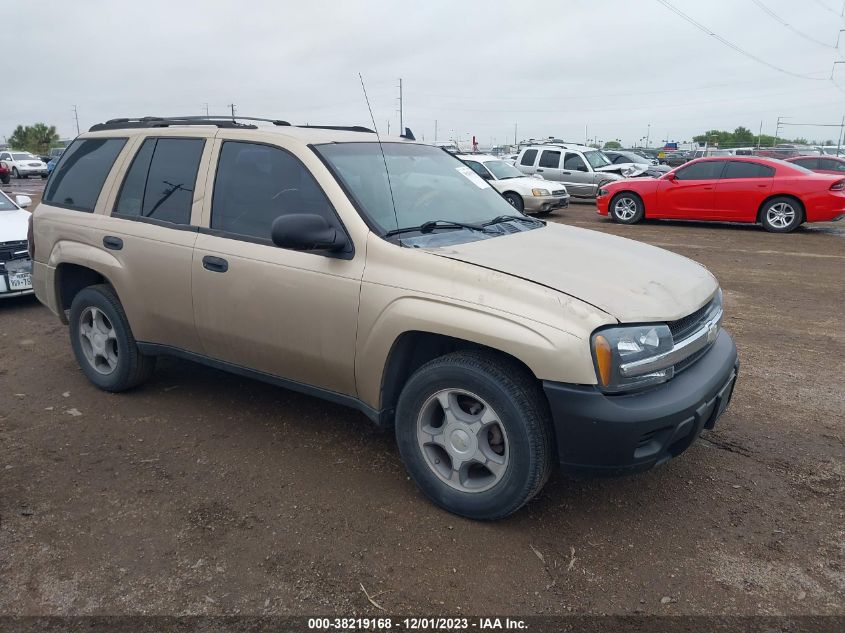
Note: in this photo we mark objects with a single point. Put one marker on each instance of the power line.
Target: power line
(777, 18)
(733, 46)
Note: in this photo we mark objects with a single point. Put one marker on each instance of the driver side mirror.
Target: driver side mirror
(307, 232)
(670, 176)
(23, 201)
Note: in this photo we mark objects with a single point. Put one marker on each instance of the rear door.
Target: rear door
(527, 163)
(151, 232)
(549, 165)
(741, 190)
(690, 195)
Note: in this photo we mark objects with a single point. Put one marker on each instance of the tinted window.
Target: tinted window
(478, 168)
(741, 169)
(831, 165)
(256, 184)
(574, 162)
(78, 178)
(809, 163)
(550, 159)
(528, 157)
(705, 170)
(160, 182)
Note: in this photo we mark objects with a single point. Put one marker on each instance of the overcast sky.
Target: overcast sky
(476, 66)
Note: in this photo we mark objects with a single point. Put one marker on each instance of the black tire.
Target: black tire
(522, 410)
(543, 214)
(632, 202)
(769, 215)
(132, 367)
(515, 200)
(5, 179)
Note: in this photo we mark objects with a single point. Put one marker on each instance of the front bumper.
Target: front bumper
(628, 433)
(32, 171)
(534, 204)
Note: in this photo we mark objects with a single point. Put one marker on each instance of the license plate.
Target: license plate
(20, 281)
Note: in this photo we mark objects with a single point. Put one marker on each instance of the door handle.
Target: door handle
(112, 242)
(539, 170)
(708, 188)
(215, 264)
(566, 173)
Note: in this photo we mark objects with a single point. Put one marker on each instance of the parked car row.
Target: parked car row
(15, 263)
(23, 164)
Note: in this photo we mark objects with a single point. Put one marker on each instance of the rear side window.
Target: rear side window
(160, 183)
(705, 170)
(550, 159)
(256, 184)
(809, 163)
(831, 165)
(528, 157)
(740, 169)
(78, 178)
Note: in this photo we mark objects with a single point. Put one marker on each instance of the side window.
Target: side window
(528, 157)
(256, 184)
(620, 159)
(4, 157)
(550, 159)
(573, 162)
(741, 169)
(160, 183)
(705, 170)
(478, 168)
(808, 163)
(831, 165)
(77, 180)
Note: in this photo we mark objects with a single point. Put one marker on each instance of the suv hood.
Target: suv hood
(13, 225)
(629, 280)
(634, 169)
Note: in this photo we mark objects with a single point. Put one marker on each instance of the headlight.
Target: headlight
(615, 346)
(540, 192)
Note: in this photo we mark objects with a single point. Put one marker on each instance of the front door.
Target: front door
(690, 195)
(285, 313)
(577, 176)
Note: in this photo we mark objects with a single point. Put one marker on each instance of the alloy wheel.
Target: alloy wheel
(780, 215)
(625, 208)
(98, 340)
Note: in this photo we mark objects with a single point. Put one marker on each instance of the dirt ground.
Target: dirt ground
(207, 493)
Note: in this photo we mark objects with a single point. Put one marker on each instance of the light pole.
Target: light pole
(648, 136)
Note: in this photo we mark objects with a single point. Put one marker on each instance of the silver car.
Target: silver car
(582, 169)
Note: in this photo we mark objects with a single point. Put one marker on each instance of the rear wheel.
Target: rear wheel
(103, 343)
(626, 208)
(781, 215)
(16, 173)
(474, 433)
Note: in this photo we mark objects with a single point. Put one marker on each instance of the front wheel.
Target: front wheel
(16, 173)
(515, 200)
(103, 343)
(781, 215)
(626, 208)
(474, 433)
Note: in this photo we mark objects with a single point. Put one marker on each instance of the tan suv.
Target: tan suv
(388, 277)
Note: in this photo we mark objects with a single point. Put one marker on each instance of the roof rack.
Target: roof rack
(219, 121)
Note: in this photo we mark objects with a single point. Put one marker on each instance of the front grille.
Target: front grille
(559, 193)
(12, 250)
(686, 326)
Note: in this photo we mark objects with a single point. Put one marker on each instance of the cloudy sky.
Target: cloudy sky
(475, 66)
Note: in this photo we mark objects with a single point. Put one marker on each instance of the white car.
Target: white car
(525, 193)
(24, 164)
(15, 264)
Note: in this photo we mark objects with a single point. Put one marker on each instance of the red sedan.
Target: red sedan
(779, 195)
(822, 164)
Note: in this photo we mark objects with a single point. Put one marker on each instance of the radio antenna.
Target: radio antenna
(381, 149)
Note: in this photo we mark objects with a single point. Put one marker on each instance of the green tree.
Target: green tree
(743, 136)
(612, 145)
(37, 138)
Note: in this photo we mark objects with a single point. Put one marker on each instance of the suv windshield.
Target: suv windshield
(427, 184)
(23, 157)
(596, 159)
(502, 170)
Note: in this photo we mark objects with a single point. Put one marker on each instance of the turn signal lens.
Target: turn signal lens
(604, 359)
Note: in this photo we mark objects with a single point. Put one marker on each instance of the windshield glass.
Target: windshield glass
(426, 182)
(635, 158)
(6, 204)
(596, 159)
(23, 157)
(502, 170)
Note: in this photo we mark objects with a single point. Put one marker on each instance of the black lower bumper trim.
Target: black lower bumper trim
(614, 434)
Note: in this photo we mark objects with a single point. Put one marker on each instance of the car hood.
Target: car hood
(529, 182)
(629, 280)
(635, 169)
(13, 225)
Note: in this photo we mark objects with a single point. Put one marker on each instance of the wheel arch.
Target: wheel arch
(772, 196)
(78, 266)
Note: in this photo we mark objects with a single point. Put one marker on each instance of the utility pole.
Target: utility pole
(76, 116)
(435, 131)
(206, 109)
(401, 121)
(777, 129)
(515, 143)
(760, 135)
(388, 127)
(648, 137)
(841, 130)
(232, 107)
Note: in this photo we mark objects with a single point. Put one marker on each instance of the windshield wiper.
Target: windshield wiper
(509, 218)
(427, 227)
